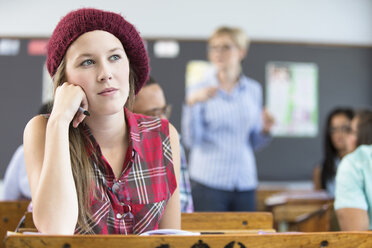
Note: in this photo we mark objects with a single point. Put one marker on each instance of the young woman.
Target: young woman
(112, 171)
(223, 124)
(353, 202)
(335, 148)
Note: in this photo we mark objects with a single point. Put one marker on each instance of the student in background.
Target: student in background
(151, 101)
(222, 125)
(353, 199)
(360, 132)
(335, 148)
(106, 172)
(16, 186)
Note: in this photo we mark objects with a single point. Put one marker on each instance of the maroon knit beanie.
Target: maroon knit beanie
(84, 20)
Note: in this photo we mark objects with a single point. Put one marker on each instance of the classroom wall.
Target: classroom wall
(321, 22)
(331, 21)
(345, 79)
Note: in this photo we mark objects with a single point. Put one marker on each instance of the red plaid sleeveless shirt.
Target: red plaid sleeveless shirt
(134, 202)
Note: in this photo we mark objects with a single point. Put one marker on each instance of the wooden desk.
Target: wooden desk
(10, 213)
(267, 189)
(226, 220)
(212, 221)
(298, 197)
(262, 195)
(304, 240)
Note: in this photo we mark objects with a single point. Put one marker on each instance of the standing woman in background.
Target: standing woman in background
(335, 148)
(113, 172)
(223, 124)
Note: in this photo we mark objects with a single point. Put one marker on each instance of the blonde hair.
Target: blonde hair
(81, 163)
(236, 34)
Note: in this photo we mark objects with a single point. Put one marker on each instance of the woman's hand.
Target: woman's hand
(201, 95)
(68, 98)
(268, 121)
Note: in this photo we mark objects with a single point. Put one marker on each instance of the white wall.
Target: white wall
(320, 21)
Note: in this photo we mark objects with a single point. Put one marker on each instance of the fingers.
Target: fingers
(267, 116)
(201, 95)
(208, 93)
(68, 100)
(79, 117)
(268, 121)
(211, 92)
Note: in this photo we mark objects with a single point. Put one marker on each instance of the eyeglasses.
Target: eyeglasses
(340, 129)
(160, 112)
(222, 49)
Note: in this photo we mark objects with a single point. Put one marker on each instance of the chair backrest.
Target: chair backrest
(10, 213)
(226, 220)
(316, 221)
(28, 221)
(305, 240)
(303, 217)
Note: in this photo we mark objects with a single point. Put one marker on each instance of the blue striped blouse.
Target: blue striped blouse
(222, 135)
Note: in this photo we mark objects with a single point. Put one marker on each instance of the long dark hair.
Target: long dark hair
(364, 127)
(330, 152)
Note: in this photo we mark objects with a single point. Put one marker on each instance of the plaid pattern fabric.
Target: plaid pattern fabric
(134, 202)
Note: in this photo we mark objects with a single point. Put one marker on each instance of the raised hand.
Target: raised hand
(201, 95)
(267, 120)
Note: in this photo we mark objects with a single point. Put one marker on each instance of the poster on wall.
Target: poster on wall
(292, 98)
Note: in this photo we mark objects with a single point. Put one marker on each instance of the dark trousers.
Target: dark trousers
(215, 200)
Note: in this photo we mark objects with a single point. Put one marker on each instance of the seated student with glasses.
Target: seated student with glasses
(335, 148)
(353, 196)
(151, 101)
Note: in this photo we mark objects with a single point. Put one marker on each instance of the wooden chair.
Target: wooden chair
(11, 212)
(262, 195)
(26, 224)
(280, 240)
(308, 211)
(303, 218)
(226, 221)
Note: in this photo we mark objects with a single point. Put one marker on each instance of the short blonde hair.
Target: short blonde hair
(236, 34)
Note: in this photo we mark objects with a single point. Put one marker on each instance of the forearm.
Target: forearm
(353, 219)
(55, 202)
